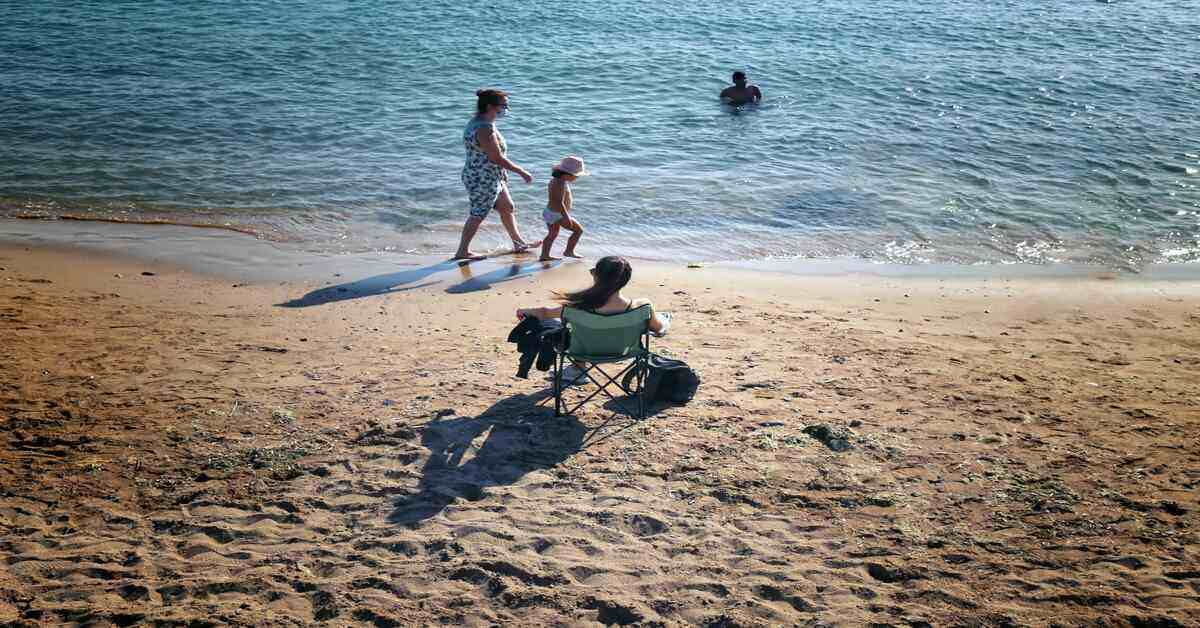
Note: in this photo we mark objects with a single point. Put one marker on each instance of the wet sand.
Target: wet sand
(182, 449)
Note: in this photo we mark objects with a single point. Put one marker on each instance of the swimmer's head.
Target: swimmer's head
(739, 77)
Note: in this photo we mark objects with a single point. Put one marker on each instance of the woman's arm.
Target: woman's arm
(656, 324)
(541, 313)
(486, 137)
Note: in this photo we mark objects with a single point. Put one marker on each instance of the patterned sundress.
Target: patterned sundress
(483, 178)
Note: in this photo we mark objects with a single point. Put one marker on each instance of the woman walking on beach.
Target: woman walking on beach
(484, 172)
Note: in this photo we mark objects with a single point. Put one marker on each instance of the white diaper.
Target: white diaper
(551, 217)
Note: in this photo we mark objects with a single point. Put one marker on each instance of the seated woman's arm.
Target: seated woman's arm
(656, 324)
(540, 313)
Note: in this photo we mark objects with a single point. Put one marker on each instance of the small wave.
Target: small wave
(149, 221)
(909, 252)
(1037, 252)
(1176, 168)
(1180, 254)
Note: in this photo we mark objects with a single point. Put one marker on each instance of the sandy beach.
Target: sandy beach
(181, 449)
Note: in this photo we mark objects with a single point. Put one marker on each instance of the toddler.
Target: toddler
(558, 209)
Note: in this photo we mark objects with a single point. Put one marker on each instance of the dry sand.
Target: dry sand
(178, 450)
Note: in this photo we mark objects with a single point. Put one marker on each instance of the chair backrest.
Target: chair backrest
(606, 335)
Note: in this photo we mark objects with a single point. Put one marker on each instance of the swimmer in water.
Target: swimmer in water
(741, 92)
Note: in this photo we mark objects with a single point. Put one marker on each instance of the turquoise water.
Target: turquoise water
(1007, 131)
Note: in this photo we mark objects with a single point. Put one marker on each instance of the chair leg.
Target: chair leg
(558, 385)
(641, 378)
(602, 387)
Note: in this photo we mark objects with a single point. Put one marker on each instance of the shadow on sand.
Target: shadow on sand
(517, 437)
(414, 278)
(372, 286)
(475, 283)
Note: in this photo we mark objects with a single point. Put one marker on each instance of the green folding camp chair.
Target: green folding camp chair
(597, 339)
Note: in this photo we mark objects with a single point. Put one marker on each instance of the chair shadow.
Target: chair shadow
(623, 404)
(620, 418)
(372, 286)
(473, 283)
(518, 437)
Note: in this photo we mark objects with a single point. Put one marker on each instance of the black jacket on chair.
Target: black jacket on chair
(535, 340)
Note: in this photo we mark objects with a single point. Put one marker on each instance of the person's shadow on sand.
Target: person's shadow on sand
(517, 437)
(475, 283)
(412, 279)
(371, 286)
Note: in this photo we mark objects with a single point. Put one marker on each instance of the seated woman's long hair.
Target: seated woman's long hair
(608, 276)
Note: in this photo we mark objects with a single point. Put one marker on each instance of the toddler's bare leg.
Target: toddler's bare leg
(551, 234)
(576, 232)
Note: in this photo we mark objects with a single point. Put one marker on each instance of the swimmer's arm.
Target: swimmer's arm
(757, 93)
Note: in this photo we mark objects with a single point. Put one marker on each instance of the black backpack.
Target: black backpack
(667, 380)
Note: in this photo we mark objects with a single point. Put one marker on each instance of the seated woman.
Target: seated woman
(604, 296)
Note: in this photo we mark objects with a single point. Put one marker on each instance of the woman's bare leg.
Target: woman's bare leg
(468, 234)
(505, 206)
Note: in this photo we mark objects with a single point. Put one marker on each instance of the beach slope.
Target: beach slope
(191, 450)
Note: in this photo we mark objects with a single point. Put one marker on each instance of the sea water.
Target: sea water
(896, 131)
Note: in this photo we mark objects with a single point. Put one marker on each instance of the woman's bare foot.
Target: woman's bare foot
(468, 255)
(572, 254)
(522, 246)
(548, 258)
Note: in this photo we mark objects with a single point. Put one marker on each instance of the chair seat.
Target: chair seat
(605, 359)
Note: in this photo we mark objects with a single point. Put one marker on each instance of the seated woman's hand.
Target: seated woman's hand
(664, 323)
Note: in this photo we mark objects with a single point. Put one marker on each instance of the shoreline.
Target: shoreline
(240, 254)
(176, 447)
